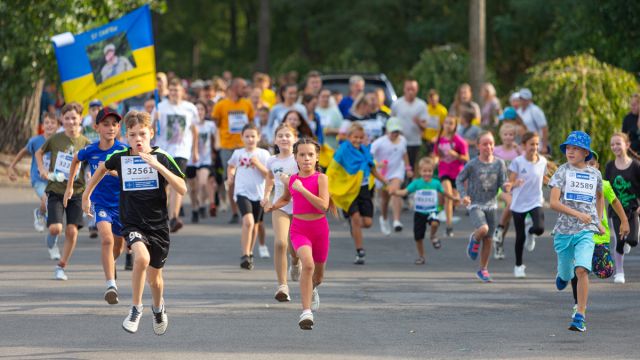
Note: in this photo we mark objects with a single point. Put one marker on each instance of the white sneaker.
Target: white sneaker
(397, 226)
(306, 321)
(384, 226)
(54, 253)
(59, 274)
(315, 300)
(294, 271)
(131, 322)
(160, 322)
(282, 295)
(498, 235)
(618, 278)
(38, 220)
(530, 239)
(518, 271)
(627, 248)
(263, 250)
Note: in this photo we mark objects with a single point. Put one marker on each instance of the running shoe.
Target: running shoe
(498, 235)
(472, 248)
(315, 300)
(306, 321)
(213, 211)
(627, 248)
(449, 232)
(561, 284)
(111, 295)
(359, 257)
(128, 262)
(618, 278)
(397, 226)
(484, 276)
(202, 212)
(181, 212)
(384, 226)
(245, 263)
(195, 217)
(160, 321)
(282, 294)
(294, 271)
(530, 239)
(93, 232)
(59, 274)
(578, 323)
(263, 251)
(38, 220)
(498, 251)
(518, 272)
(54, 253)
(131, 322)
(175, 224)
(234, 219)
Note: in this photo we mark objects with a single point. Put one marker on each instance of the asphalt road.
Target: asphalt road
(388, 308)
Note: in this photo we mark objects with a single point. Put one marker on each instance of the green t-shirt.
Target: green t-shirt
(426, 195)
(610, 196)
(62, 149)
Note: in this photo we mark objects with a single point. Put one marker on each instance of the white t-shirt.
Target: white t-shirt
(175, 135)
(206, 130)
(533, 118)
(249, 182)
(389, 157)
(407, 111)
(279, 166)
(528, 195)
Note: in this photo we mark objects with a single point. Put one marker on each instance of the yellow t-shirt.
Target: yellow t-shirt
(437, 114)
(231, 117)
(268, 96)
(385, 109)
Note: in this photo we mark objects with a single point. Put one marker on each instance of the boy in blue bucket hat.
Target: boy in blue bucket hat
(576, 194)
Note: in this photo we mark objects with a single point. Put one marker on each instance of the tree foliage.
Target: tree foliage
(582, 93)
(443, 68)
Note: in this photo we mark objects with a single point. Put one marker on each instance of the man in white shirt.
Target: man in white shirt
(413, 114)
(533, 118)
(177, 134)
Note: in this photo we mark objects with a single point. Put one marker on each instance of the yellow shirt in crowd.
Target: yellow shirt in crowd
(437, 114)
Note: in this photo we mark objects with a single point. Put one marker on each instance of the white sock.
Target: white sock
(157, 310)
(112, 283)
(307, 311)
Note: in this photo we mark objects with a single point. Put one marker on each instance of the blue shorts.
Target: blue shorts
(573, 250)
(39, 187)
(110, 215)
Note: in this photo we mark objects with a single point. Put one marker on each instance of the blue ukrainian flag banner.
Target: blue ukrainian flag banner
(110, 63)
(347, 171)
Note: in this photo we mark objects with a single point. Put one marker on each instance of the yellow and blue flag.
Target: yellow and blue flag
(110, 63)
(346, 173)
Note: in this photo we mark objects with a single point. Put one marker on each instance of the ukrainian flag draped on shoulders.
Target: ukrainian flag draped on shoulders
(347, 171)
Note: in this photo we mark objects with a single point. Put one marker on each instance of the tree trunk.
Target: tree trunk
(18, 127)
(264, 36)
(477, 46)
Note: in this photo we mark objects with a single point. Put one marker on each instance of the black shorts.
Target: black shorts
(193, 170)
(246, 206)
(420, 222)
(56, 210)
(182, 163)
(362, 204)
(156, 241)
(452, 181)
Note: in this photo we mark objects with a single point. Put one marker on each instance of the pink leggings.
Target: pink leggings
(313, 233)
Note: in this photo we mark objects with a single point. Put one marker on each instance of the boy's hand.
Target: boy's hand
(44, 173)
(12, 174)
(466, 201)
(601, 229)
(624, 229)
(409, 173)
(151, 160)
(584, 218)
(267, 207)
(86, 207)
(68, 193)
(507, 187)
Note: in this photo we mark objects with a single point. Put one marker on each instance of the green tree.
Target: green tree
(27, 55)
(582, 93)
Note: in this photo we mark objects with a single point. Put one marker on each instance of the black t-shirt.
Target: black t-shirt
(625, 183)
(630, 127)
(143, 209)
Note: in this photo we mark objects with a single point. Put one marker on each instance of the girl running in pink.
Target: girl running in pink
(309, 190)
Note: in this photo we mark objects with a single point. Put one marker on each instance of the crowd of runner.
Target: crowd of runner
(304, 154)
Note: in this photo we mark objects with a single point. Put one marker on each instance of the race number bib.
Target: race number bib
(63, 164)
(237, 121)
(138, 175)
(426, 201)
(580, 187)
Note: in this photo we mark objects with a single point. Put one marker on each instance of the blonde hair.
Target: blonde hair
(507, 127)
(426, 161)
(133, 118)
(355, 127)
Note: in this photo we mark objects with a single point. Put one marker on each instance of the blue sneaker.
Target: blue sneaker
(577, 323)
(484, 276)
(473, 247)
(561, 284)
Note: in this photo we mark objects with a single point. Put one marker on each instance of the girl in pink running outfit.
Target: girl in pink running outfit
(309, 233)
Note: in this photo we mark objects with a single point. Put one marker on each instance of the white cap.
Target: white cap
(525, 94)
(514, 96)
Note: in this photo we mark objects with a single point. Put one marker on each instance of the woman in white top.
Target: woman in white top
(278, 165)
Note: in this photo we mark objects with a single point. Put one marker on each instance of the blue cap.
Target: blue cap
(95, 102)
(580, 139)
(509, 113)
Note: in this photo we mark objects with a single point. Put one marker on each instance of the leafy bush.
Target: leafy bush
(581, 93)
